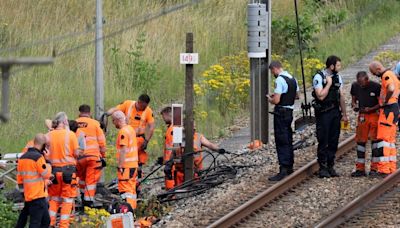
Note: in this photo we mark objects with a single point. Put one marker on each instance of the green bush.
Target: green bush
(8, 217)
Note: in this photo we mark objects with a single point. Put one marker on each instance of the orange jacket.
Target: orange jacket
(168, 143)
(27, 146)
(197, 149)
(95, 142)
(389, 77)
(137, 119)
(32, 171)
(63, 147)
(127, 138)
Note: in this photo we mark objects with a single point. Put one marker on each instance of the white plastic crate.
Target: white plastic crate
(121, 220)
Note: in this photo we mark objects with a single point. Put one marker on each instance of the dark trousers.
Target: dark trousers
(328, 131)
(38, 210)
(284, 136)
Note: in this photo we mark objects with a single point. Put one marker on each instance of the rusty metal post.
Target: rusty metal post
(189, 126)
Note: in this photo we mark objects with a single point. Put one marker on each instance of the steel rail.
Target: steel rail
(361, 202)
(278, 189)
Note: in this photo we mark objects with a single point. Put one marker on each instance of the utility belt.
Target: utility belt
(282, 110)
(99, 160)
(140, 135)
(322, 107)
(68, 174)
(87, 156)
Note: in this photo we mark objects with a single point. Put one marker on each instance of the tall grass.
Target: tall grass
(219, 29)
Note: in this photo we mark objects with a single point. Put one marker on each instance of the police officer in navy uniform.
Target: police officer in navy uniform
(286, 91)
(330, 108)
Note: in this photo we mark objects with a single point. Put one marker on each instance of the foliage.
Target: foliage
(311, 66)
(387, 57)
(4, 34)
(132, 70)
(334, 17)
(94, 217)
(284, 31)
(150, 207)
(226, 85)
(8, 216)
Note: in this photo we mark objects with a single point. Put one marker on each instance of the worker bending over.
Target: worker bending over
(174, 173)
(388, 118)
(140, 116)
(365, 101)
(127, 158)
(90, 162)
(33, 175)
(63, 152)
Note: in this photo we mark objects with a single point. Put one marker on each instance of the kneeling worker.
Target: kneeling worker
(365, 100)
(174, 173)
(33, 177)
(286, 91)
(127, 158)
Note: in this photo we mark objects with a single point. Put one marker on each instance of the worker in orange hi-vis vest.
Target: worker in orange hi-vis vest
(29, 144)
(127, 158)
(386, 152)
(32, 178)
(140, 116)
(365, 101)
(174, 173)
(63, 153)
(90, 163)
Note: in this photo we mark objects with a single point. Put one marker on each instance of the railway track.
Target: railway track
(380, 205)
(273, 192)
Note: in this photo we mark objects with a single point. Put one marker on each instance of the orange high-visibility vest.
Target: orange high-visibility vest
(27, 146)
(32, 171)
(127, 137)
(198, 155)
(389, 77)
(63, 145)
(94, 136)
(168, 145)
(137, 119)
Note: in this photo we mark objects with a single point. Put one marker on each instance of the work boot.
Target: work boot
(323, 171)
(332, 172)
(283, 172)
(358, 173)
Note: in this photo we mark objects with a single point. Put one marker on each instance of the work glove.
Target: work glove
(103, 162)
(160, 161)
(144, 145)
(221, 151)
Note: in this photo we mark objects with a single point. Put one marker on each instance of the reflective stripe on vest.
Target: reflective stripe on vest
(39, 179)
(360, 160)
(384, 159)
(360, 148)
(128, 195)
(383, 144)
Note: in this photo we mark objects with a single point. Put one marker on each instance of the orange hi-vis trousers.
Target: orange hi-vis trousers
(127, 185)
(386, 152)
(142, 153)
(62, 195)
(366, 130)
(89, 173)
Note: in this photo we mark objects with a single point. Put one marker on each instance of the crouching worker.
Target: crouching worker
(127, 158)
(63, 152)
(365, 101)
(174, 173)
(33, 177)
